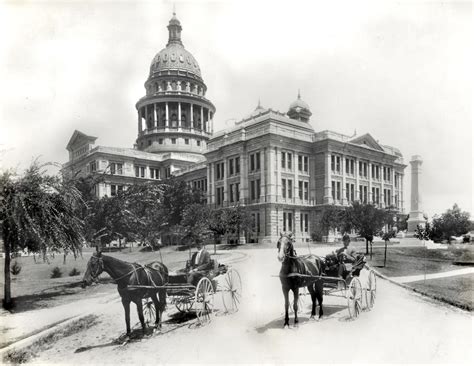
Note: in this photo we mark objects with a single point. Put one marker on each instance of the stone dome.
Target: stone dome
(299, 110)
(175, 57)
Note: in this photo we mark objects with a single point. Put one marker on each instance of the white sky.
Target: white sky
(398, 70)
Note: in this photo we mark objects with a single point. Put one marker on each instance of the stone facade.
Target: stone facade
(271, 162)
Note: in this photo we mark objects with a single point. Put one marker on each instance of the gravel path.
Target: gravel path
(402, 327)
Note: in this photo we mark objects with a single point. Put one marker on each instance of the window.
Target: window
(336, 190)
(304, 219)
(198, 142)
(155, 173)
(255, 161)
(115, 189)
(305, 164)
(300, 189)
(116, 168)
(234, 194)
(300, 163)
(160, 141)
(220, 195)
(231, 192)
(219, 171)
(290, 188)
(306, 190)
(287, 221)
(283, 188)
(290, 161)
(283, 160)
(186, 141)
(255, 189)
(256, 222)
(140, 171)
(237, 165)
(149, 142)
(363, 192)
(362, 169)
(93, 166)
(336, 163)
(231, 166)
(387, 197)
(375, 195)
(173, 141)
(397, 177)
(349, 166)
(303, 190)
(350, 194)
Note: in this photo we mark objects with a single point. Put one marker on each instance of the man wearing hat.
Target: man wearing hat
(199, 264)
(347, 255)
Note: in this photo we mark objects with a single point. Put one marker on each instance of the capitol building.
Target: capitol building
(275, 164)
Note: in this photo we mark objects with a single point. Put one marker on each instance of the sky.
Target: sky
(399, 70)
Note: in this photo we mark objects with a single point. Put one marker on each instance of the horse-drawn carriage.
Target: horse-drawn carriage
(320, 275)
(186, 297)
(148, 286)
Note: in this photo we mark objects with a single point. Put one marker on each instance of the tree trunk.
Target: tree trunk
(64, 260)
(7, 300)
(385, 254)
(120, 244)
(366, 246)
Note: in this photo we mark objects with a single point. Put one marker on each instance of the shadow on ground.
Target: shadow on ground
(278, 323)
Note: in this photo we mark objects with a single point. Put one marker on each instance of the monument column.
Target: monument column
(416, 213)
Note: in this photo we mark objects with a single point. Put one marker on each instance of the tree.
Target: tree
(195, 223)
(335, 218)
(367, 220)
(38, 212)
(386, 238)
(453, 222)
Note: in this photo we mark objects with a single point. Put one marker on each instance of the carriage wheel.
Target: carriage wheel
(149, 311)
(204, 300)
(231, 291)
(371, 291)
(184, 303)
(354, 298)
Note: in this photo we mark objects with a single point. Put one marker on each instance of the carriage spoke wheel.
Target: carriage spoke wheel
(184, 303)
(371, 291)
(354, 298)
(149, 311)
(231, 291)
(204, 300)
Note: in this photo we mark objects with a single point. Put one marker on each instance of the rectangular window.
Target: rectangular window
(290, 161)
(231, 192)
(257, 189)
(160, 141)
(284, 221)
(237, 165)
(348, 166)
(300, 163)
(142, 172)
(338, 190)
(252, 190)
(333, 190)
(283, 188)
(231, 166)
(173, 141)
(113, 190)
(304, 222)
(93, 166)
(252, 163)
(116, 168)
(283, 160)
(348, 193)
(338, 164)
(333, 163)
(237, 192)
(352, 192)
(290, 221)
(290, 188)
(257, 163)
(198, 142)
(137, 171)
(300, 189)
(186, 141)
(305, 164)
(306, 191)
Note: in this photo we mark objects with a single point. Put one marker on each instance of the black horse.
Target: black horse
(299, 272)
(132, 274)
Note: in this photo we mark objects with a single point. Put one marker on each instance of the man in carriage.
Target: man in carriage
(347, 255)
(199, 264)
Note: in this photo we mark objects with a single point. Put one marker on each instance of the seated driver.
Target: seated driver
(199, 264)
(348, 255)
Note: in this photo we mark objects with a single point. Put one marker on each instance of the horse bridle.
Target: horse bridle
(100, 268)
(290, 248)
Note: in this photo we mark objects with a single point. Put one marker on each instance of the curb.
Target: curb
(423, 293)
(17, 346)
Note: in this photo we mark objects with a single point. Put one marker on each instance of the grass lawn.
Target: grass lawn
(457, 290)
(34, 288)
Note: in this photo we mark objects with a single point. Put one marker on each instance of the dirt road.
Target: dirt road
(402, 327)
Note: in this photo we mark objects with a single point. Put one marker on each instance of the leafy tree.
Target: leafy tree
(386, 238)
(367, 220)
(453, 222)
(230, 220)
(196, 221)
(38, 212)
(335, 218)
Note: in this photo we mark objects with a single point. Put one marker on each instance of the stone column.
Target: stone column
(191, 120)
(416, 212)
(179, 114)
(356, 188)
(224, 173)
(370, 198)
(202, 117)
(327, 179)
(155, 116)
(140, 126)
(167, 121)
(210, 183)
(206, 127)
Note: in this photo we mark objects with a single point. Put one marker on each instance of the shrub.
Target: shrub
(74, 272)
(15, 269)
(56, 272)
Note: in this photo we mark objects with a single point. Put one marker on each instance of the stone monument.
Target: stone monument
(416, 213)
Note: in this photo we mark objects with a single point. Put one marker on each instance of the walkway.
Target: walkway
(457, 272)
